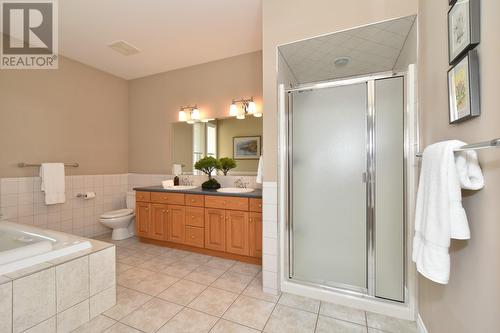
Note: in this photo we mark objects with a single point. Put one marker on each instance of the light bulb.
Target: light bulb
(195, 114)
(240, 116)
(252, 108)
(233, 110)
(190, 121)
(182, 116)
(257, 114)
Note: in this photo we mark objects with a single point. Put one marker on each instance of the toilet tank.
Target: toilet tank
(131, 199)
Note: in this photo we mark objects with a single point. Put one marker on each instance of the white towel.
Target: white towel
(439, 214)
(260, 171)
(53, 185)
(167, 183)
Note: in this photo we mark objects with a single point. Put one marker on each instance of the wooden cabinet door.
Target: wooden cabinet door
(237, 232)
(176, 223)
(215, 229)
(142, 218)
(255, 234)
(158, 225)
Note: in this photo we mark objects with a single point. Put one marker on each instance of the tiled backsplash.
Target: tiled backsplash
(21, 199)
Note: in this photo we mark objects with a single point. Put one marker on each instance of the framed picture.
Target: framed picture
(463, 28)
(463, 88)
(246, 147)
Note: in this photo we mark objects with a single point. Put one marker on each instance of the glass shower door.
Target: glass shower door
(328, 195)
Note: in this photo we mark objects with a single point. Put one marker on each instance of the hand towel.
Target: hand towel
(167, 183)
(53, 185)
(439, 214)
(260, 171)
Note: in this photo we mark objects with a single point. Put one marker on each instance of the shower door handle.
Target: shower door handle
(365, 177)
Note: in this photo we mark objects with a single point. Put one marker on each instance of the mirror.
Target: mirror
(240, 139)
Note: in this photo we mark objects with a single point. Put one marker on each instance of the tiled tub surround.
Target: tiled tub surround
(59, 295)
(22, 201)
(168, 290)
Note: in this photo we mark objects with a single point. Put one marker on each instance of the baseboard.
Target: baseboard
(420, 325)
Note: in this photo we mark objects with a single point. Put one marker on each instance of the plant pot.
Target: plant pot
(211, 184)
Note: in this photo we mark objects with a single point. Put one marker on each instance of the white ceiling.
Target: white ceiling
(374, 48)
(171, 34)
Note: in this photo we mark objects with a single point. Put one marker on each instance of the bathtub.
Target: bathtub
(23, 246)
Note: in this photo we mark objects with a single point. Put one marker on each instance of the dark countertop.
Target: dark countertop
(257, 193)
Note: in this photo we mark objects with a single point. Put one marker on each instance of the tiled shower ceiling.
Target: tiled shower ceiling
(374, 48)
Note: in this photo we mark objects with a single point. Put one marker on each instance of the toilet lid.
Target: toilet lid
(117, 213)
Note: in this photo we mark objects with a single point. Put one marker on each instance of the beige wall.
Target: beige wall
(74, 114)
(154, 103)
(288, 21)
(231, 127)
(471, 301)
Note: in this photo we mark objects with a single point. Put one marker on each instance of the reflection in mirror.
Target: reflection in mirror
(240, 139)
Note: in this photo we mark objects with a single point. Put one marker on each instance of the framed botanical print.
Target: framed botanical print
(463, 28)
(246, 147)
(463, 88)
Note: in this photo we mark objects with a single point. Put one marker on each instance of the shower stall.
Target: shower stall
(346, 186)
(345, 176)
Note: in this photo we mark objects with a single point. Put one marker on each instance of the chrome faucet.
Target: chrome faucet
(240, 183)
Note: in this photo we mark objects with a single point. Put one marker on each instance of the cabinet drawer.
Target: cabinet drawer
(195, 200)
(168, 198)
(232, 203)
(195, 216)
(255, 205)
(195, 236)
(142, 196)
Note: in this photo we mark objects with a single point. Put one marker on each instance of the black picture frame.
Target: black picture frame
(470, 26)
(468, 65)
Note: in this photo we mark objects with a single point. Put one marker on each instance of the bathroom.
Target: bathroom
(275, 250)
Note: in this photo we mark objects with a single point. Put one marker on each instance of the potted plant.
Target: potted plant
(226, 164)
(207, 165)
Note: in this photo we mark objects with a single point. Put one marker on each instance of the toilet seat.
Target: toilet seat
(117, 213)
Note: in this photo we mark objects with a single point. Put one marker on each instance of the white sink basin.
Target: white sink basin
(180, 187)
(235, 190)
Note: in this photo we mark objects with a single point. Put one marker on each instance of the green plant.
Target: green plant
(226, 164)
(207, 165)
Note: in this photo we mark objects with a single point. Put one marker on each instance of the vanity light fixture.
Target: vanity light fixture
(190, 116)
(248, 106)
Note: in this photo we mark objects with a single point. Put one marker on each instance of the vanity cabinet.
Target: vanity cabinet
(255, 234)
(224, 225)
(215, 229)
(142, 218)
(176, 224)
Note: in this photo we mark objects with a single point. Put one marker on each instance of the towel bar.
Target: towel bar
(24, 165)
(495, 143)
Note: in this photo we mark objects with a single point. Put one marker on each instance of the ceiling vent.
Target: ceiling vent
(124, 48)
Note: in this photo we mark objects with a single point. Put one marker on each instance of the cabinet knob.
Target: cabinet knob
(192, 237)
(192, 216)
(260, 206)
(192, 200)
(163, 211)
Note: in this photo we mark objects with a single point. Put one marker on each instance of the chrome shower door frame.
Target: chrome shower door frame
(286, 183)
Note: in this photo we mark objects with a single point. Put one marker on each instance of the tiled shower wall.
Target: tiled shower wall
(21, 199)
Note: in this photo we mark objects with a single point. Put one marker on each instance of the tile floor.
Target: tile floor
(167, 290)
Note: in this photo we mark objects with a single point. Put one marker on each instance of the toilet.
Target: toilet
(121, 220)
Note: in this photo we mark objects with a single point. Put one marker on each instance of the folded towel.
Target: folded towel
(260, 171)
(167, 183)
(439, 214)
(53, 185)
